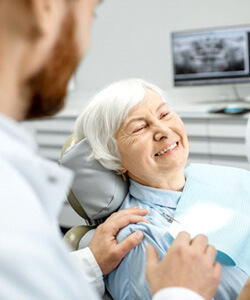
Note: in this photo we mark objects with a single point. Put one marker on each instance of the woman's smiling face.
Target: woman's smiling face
(152, 141)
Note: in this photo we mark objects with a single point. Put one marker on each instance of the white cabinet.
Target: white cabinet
(217, 139)
(197, 131)
(51, 134)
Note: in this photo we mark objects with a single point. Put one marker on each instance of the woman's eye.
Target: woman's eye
(138, 129)
(164, 115)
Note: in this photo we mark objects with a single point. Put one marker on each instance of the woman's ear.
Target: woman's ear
(123, 171)
(124, 174)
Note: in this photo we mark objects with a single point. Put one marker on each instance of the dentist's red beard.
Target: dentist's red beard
(46, 91)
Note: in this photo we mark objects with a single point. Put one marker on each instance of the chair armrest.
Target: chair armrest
(74, 235)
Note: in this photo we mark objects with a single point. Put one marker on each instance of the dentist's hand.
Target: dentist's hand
(106, 250)
(245, 292)
(188, 263)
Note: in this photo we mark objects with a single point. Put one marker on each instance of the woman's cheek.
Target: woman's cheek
(181, 128)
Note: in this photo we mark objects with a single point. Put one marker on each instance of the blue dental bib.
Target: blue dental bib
(216, 202)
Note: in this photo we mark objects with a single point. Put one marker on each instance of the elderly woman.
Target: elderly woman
(132, 130)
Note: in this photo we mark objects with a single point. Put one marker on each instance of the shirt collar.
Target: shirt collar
(49, 181)
(156, 196)
(16, 131)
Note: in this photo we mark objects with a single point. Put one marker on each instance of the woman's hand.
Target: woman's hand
(188, 263)
(106, 250)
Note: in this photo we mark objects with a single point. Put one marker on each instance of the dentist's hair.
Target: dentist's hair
(103, 116)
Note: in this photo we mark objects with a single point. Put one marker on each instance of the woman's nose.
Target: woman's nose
(161, 132)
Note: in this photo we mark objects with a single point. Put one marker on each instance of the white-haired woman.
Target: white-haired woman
(133, 131)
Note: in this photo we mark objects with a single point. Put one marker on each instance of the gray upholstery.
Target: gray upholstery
(98, 191)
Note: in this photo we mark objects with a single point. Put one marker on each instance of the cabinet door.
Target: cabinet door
(198, 142)
(227, 141)
(231, 127)
(52, 133)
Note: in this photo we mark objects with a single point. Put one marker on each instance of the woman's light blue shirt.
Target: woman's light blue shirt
(128, 281)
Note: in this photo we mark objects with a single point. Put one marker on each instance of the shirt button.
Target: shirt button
(52, 179)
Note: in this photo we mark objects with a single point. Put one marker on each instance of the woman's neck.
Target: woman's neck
(174, 181)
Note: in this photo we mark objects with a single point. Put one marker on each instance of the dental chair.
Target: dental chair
(95, 194)
(75, 234)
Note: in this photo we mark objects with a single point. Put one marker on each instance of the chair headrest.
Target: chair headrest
(98, 190)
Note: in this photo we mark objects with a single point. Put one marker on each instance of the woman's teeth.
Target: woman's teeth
(166, 150)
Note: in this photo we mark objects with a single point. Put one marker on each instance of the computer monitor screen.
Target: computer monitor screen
(211, 56)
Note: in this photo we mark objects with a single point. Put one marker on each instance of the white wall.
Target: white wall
(131, 38)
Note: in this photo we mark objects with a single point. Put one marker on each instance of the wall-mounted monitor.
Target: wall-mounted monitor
(211, 56)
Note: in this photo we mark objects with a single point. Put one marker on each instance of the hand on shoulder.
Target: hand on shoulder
(104, 246)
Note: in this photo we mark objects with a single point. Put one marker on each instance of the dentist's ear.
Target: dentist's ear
(48, 14)
(45, 18)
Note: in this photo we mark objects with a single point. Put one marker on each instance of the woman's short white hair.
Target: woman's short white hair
(103, 116)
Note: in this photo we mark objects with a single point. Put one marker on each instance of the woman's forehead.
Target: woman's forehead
(151, 101)
(140, 110)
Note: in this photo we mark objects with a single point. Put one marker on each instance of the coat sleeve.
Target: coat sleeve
(89, 266)
(177, 293)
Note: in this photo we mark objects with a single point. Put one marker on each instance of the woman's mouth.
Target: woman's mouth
(169, 148)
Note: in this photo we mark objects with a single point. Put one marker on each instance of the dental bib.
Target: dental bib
(216, 202)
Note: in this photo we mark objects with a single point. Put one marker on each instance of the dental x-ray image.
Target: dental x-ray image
(211, 54)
